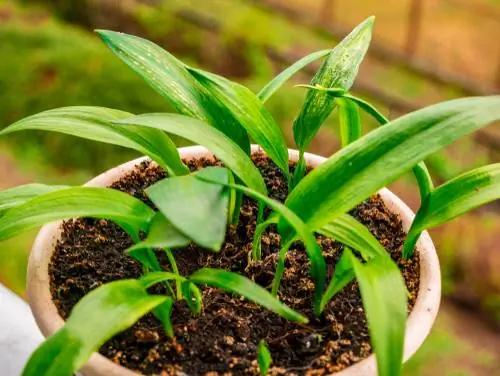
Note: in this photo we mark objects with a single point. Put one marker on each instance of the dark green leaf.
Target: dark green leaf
(237, 284)
(170, 77)
(263, 357)
(122, 208)
(195, 207)
(250, 113)
(368, 164)
(95, 123)
(100, 315)
(19, 195)
(454, 198)
(284, 76)
(214, 140)
(163, 312)
(350, 123)
(338, 71)
(383, 293)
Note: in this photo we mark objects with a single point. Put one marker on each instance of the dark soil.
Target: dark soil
(223, 339)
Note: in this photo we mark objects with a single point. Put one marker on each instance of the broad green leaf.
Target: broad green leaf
(170, 78)
(368, 164)
(104, 312)
(161, 234)
(250, 113)
(339, 70)
(347, 230)
(195, 207)
(420, 171)
(95, 123)
(214, 140)
(163, 312)
(383, 292)
(278, 81)
(237, 284)
(263, 357)
(318, 268)
(129, 212)
(19, 195)
(193, 297)
(350, 123)
(454, 198)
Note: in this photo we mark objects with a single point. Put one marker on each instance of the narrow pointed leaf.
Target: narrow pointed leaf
(117, 206)
(454, 198)
(151, 279)
(278, 81)
(368, 164)
(95, 123)
(214, 140)
(163, 312)
(263, 357)
(171, 79)
(196, 208)
(343, 274)
(384, 300)
(250, 113)
(19, 195)
(350, 123)
(339, 71)
(100, 315)
(237, 284)
(318, 268)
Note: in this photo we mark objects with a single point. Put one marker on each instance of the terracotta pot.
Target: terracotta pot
(49, 321)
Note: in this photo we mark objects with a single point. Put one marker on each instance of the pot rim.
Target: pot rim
(419, 322)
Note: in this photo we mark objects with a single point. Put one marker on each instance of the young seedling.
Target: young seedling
(197, 207)
(263, 358)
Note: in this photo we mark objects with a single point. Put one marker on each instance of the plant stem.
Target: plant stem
(173, 265)
(280, 267)
(259, 231)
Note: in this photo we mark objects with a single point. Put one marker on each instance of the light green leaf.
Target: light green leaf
(318, 268)
(161, 234)
(237, 284)
(214, 140)
(95, 123)
(104, 312)
(454, 198)
(151, 279)
(284, 76)
(19, 195)
(193, 297)
(350, 123)
(263, 357)
(170, 78)
(368, 164)
(196, 208)
(163, 312)
(383, 292)
(129, 212)
(339, 71)
(250, 113)
(343, 274)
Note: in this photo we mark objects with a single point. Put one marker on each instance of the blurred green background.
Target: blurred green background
(423, 52)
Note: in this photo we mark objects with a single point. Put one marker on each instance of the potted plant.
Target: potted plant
(236, 258)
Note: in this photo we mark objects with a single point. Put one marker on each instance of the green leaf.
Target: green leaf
(263, 357)
(339, 71)
(196, 208)
(383, 292)
(368, 164)
(259, 231)
(250, 113)
(214, 140)
(170, 78)
(284, 76)
(318, 268)
(420, 171)
(193, 297)
(280, 267)
(95, 123)
(151, 279)
(454, 198)
(342, 275)
(129, 212)
(346, 230)
(237, 284)
(163, 312)
(101, 314)
(16, 196)
(350, 123)
(161, 234)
